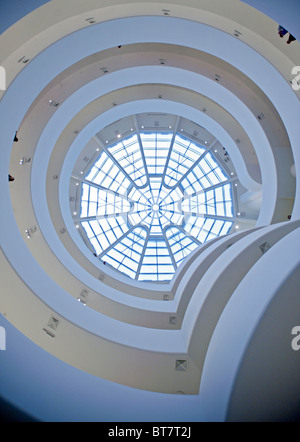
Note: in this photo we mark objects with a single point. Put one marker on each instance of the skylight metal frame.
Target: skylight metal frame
(180, 176)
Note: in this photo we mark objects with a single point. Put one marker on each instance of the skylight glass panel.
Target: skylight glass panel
(157, 263)
(149, 200)
(105, 168)
(129, 155)
(210, 202)
(156, 149)
(204, 229)
(126, 254)
(98, 229)
(97, 202)
(183, 156)
(181, 244)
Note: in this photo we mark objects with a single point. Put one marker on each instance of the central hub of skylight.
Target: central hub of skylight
(150, 199)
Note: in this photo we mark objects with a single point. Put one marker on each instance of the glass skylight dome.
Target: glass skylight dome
(150, 199)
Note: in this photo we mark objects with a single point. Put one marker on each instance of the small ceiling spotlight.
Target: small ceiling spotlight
(91, 20)
(25, 160)
(237, 33)
(81, 301)
(261, 116)
(30, 231)
(23, 60)
(53, 103)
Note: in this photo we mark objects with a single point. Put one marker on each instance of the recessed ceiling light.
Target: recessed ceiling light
(261, 116)
(81, 301)
(237, 33)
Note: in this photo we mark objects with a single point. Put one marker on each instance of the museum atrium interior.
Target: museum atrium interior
(150, 231)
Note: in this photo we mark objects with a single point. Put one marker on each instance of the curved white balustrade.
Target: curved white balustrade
(244, 314)
(215, 288)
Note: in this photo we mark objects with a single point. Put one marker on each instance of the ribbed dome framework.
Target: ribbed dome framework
(214, 343)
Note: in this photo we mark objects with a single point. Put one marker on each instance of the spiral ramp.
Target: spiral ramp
(214, 344)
